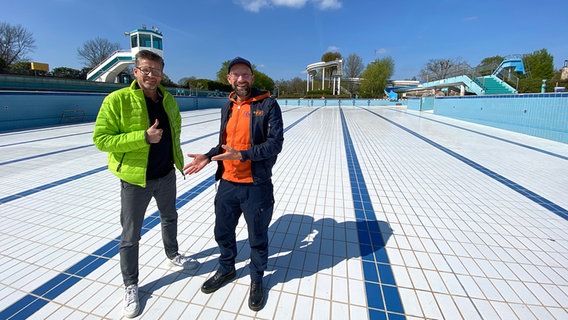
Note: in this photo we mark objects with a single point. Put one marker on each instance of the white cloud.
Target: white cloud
(381, 51)
(254, 5)
(332, 49)
(257, 5)
(328, 4)
(290, 3)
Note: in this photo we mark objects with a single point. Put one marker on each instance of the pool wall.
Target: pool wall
(542, 115)
(33, 109)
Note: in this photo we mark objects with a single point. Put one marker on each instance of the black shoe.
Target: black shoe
(256, 298)
(217, 281)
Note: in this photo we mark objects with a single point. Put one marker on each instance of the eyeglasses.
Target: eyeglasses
(243, 75)
(147, 70)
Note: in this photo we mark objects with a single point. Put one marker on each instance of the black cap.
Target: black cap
(238, 60)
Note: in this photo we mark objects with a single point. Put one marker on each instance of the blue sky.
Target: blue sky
(281, 37)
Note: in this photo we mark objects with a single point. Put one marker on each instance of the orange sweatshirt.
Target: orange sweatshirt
(237, 136)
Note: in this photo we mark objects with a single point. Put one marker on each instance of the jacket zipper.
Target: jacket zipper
(120, 163)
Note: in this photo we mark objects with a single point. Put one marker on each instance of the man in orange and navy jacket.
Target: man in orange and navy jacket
(250, 139)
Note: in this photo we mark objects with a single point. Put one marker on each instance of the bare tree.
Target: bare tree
(96, 51)
(297, 85)
(353, 66)
(15, 43)
(437, 69)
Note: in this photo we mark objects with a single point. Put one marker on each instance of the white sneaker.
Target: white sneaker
(185, 262)
(131, 305)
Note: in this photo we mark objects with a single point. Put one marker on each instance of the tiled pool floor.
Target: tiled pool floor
(381, 213)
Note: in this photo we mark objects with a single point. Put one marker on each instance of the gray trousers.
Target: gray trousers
(134, 202)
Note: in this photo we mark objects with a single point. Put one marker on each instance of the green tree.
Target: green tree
(69, 73)
(223, 71)
(488, 65)
(15, 43)
(261, 80)
(218, 86)
(293, 88)
(329, 71)
(330, 56)
(21, 67)
(3, 64)
(167, 82)
(539, 66)
(204, 84)
(375, 77)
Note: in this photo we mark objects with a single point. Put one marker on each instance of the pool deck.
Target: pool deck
(381, 213)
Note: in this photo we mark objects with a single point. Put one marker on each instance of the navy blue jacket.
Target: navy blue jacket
(266, 133)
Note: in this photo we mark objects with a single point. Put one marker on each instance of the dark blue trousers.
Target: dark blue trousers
(256, 202)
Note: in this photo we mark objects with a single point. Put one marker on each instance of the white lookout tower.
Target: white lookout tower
(140, 39)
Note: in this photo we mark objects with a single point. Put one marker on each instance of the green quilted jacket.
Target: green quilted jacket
(120, 130)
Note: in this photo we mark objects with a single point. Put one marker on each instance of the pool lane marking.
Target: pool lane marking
(540, 200)
(383, 297)
(41, 296)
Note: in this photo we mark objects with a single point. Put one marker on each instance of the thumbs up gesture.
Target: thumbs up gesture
(154, 134)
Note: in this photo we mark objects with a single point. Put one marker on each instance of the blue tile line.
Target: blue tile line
(50, 185)
(43, 139)
(77, 148)
(78, 134)
(85, 146)
(44, 155)
(41, 296)
(487, 135)
(68, 179)
(547, 204)
(84, 174)
(383, 298)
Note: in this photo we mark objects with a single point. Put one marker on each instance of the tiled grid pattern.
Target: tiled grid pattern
(461, 244)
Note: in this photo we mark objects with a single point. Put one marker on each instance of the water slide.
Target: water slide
(496, 83)
(514, 64)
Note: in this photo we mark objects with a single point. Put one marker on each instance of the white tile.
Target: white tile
(323, 288)
(523, 292)
(429, 305)
(435, 282)
(505, 291)
(522, 312)
(285, 307)
(321, 309)
(461, 245)
(357, 292)
(447, 306)
(543, 296)
(411, 302)
(453, 283)
(418, 279)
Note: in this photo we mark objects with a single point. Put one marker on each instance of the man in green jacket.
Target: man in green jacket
(139, 126)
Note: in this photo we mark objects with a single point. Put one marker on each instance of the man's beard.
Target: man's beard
(242, 92)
